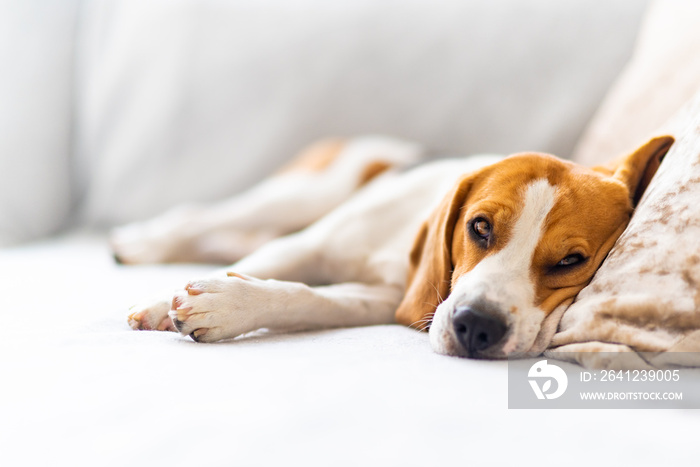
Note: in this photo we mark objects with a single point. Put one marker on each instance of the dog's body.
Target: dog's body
(505, 244)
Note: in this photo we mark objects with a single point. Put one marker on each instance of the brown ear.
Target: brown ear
(637, 169)
(430, 268)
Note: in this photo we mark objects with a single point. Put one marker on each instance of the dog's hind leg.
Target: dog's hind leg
(321, 178)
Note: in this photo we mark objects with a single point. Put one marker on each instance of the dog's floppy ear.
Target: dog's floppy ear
(637, 169)
(430, 268)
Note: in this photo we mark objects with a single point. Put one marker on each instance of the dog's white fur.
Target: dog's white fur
(279, 286)
(368, 276)
(504, 280)
(350, 266)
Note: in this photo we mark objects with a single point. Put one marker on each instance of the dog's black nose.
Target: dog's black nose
(476, 331)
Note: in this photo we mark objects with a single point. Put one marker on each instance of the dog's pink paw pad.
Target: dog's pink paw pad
(151, 316)
(140, 321)
(136, 320)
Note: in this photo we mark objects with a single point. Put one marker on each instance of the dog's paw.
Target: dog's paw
(151, 315)
(159, 240)
(213, 309)
(185, 235)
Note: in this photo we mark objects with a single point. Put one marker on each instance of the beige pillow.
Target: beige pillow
(645, 298)
(663, 74)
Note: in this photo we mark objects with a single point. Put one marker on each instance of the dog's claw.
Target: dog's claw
(179, 325)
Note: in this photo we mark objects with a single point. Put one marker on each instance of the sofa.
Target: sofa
(115, 110)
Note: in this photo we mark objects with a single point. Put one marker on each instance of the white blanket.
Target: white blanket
(79, 387)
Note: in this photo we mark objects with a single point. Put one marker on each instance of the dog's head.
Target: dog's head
(511, 245)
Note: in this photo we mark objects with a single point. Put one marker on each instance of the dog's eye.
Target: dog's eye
(570, 260)
(481, 228)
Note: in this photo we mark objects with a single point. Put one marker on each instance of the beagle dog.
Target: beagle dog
(484, 252)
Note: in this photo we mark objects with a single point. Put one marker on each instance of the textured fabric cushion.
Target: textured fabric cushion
(197, 99)
(646, 295)
(36, 52)
(663, 74)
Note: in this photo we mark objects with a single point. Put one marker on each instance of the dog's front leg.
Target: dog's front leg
(219, 308)
(290, 258)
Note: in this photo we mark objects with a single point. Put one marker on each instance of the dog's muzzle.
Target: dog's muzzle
(476, 331)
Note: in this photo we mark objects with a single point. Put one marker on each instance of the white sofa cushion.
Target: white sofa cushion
(196, 99)
(36, 52)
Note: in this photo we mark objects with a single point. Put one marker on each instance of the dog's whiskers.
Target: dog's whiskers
(437, 292)
(424, 323)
